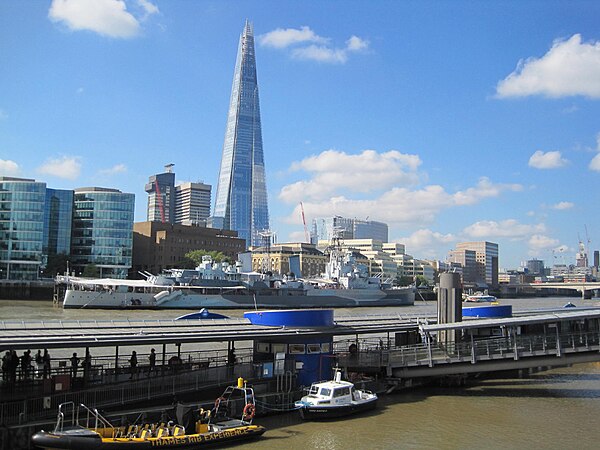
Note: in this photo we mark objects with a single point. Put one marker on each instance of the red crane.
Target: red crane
(304, 223)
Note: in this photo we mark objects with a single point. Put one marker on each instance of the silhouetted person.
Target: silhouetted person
(39, 363)
(6, 360)
(152, 359)
(26, 364)
(14, 364)
(87, 366)
(133, 363)
(46, 363)
(74, 365)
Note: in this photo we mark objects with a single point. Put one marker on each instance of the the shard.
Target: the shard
(241, 200)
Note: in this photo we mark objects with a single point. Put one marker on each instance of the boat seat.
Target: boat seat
(178, 430)
(162, 432)
(145, 434)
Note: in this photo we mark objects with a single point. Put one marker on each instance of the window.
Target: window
(296, 348)
(341, 392)
(313, 348)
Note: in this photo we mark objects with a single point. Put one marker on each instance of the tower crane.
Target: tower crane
(306, 237)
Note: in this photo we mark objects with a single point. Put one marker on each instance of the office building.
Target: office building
(102, 233)
(161, 196)
(58, 220)
(192, 203)
(345, 228)
(158, 246)
(241, 198)
(486, 258)
(21, 227)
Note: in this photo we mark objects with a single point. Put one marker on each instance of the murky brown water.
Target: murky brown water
(556, 409)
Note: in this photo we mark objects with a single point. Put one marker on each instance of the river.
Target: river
(555, 409)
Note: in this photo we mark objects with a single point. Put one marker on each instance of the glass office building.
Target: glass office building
(241, 198)
(58, 218)
(102, 233)
(21, 227)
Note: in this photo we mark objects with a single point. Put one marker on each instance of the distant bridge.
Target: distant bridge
(586, 288)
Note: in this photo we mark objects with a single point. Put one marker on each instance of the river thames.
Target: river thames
(555, 409)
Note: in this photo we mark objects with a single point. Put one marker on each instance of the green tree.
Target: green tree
(196, 256)
(421, 281)
(56, 265)
(404, 281)
(91, 271)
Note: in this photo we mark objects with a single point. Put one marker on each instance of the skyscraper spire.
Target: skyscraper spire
(241, 198)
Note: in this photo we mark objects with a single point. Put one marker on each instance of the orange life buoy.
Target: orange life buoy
(249, 411)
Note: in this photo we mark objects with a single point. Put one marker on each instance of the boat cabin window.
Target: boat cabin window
(325, 392)
(340, 392)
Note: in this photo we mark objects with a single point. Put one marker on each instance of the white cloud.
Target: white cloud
(547, 160)
(484, 189)
(561, 206)
(569, 68)
(333, 171)
(426, 243)
(285, 37)
(8, 167)
(510, 228)
(106, 17)
(114, 170)
(539, 243)
(64, 167)
(305, 44)
(321, 54)
(356, 44)
(595, 162)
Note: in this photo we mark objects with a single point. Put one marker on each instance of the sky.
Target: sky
(451, 121)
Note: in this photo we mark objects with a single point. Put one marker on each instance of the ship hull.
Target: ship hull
(244, 299)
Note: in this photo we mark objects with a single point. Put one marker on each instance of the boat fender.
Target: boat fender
(249, 411)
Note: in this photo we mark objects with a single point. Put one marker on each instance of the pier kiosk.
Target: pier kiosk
(311, 353)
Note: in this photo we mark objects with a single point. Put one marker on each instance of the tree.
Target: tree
(196, 256)
(421, 281)
(57, 264)
(404, 281)
(91, 271)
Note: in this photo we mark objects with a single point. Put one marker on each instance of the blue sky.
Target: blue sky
(450, 121)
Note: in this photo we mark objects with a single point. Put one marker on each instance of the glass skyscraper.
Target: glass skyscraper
(102, 231)
(21, 227)
(58, 218)
(241, 199)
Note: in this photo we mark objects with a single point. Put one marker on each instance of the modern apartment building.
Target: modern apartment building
(102, 233)
(22, 204)
(192, 203)
(241, 199)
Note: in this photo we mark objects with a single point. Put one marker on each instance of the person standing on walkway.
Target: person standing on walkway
(6, 366)
(152, 359)
(87, 366)
(26, 364)
(133, 364)
(74, 365)
(46, 362)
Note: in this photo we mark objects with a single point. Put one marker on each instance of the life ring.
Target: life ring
(218, 402)
(249, 411)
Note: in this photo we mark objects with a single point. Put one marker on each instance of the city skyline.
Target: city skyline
(421, 115)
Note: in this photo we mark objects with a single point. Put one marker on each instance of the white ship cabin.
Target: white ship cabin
(336, 392)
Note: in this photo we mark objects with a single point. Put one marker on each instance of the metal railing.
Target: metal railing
(478, 350)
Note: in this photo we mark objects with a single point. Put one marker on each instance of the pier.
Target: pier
(395, 349)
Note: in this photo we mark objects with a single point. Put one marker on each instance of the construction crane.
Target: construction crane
(306, 236)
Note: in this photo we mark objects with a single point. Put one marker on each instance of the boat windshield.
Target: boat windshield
(325, 392)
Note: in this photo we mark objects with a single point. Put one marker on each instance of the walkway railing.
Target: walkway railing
(145, 388)
(474, 351)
